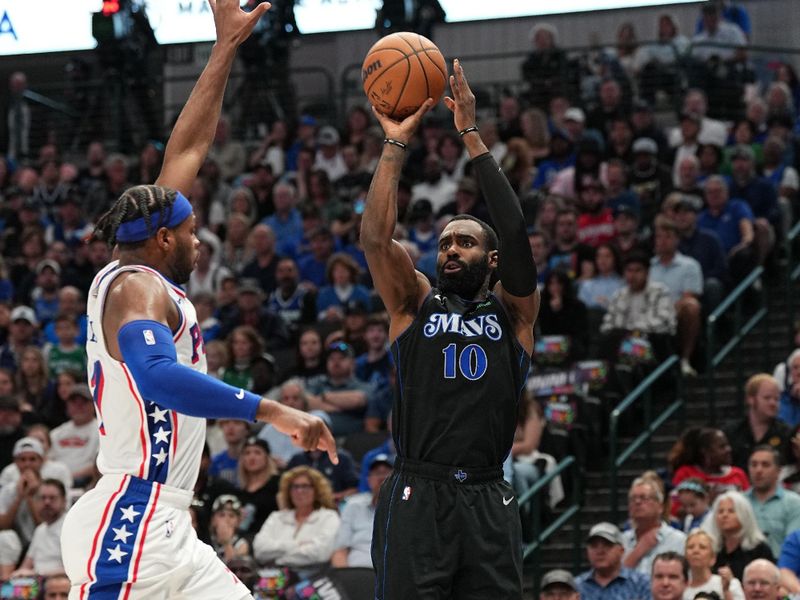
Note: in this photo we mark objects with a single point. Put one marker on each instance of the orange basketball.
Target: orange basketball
(401, 71)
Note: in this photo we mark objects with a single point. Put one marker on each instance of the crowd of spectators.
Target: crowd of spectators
(638, 229)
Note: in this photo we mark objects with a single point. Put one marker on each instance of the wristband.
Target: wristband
(395, 143)
(467, 130)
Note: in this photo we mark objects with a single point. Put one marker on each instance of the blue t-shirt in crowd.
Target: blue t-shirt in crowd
(224, 466)
(789, 409)
(726, 224)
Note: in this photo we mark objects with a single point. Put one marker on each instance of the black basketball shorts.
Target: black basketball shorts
(446, 533)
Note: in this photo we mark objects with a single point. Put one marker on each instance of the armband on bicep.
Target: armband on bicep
(149, 352)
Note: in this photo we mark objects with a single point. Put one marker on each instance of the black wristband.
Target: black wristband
(395, 143)
(467, 130)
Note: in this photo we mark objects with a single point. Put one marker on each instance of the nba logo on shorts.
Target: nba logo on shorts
(149, 338)
(407, 492)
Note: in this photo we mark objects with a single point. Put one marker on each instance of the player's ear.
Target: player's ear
(493, 254)
(164, 238)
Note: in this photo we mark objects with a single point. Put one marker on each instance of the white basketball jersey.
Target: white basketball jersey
(137, 437)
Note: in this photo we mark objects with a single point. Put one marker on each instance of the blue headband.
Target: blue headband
(138, 231)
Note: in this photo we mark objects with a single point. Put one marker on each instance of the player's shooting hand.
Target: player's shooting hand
(234, 25)
(462, 103)
(307, 431)
(402, 131)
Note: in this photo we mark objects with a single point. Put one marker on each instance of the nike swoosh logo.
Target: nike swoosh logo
(508, 501)
(240, 395)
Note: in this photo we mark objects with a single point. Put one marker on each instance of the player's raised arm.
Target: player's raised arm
(400, 286)
(194, 130)
(518, 276)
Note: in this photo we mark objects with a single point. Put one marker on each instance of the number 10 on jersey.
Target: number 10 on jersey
(471, 361)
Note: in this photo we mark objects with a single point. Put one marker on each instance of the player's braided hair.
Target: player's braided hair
(137, 202)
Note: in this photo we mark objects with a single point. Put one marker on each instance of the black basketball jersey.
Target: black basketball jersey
(460, 373)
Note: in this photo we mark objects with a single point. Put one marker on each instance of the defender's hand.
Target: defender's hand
(307, 431)
(462, 104)
(234, 25)
(402, 131)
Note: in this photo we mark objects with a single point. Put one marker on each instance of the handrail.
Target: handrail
(50, 103)
(651, 424)
(714, 359)
(534, 497)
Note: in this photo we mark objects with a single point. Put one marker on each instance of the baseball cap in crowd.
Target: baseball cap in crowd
(328, 136)
(690, 202)
(342, 348)
(381, 459)
(575, 114)
(642, 105)
(558, 577)
(308, 121)
(645, 145)
(81, 390)
(24, 313)
(48, 263)
(250, 286)
(28, 444)
(355, 307)
(228, 501)
(257, 441)
(626, 203)
(606, 531)
(743, 151)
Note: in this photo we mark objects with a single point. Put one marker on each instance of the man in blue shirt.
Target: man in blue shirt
(704, 246)
(732, 220)
(683, 277)
(760, 194)
(608, 579)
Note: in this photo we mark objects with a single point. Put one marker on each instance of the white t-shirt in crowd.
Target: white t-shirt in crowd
(75, 445)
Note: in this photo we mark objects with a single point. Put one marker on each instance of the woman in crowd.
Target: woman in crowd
(217, 357)
(546, 216)
(693, 501)
(234, 248)
(8, 383)
(596, 291)
(309, 360)
(247, 368)
(705, 453)
(343, 288)
(258, 478)
(355, 131)
(739, 541)
(301, 534)
(527, 437)
(561, 313)
(518, 167)
(701, 557)
(33, 383)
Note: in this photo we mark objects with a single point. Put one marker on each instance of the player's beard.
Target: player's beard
(468, 281)
(183, 263)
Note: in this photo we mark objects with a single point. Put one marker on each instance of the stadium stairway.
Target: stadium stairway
(775, 330)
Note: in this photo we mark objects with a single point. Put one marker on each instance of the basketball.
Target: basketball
(401, 71)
